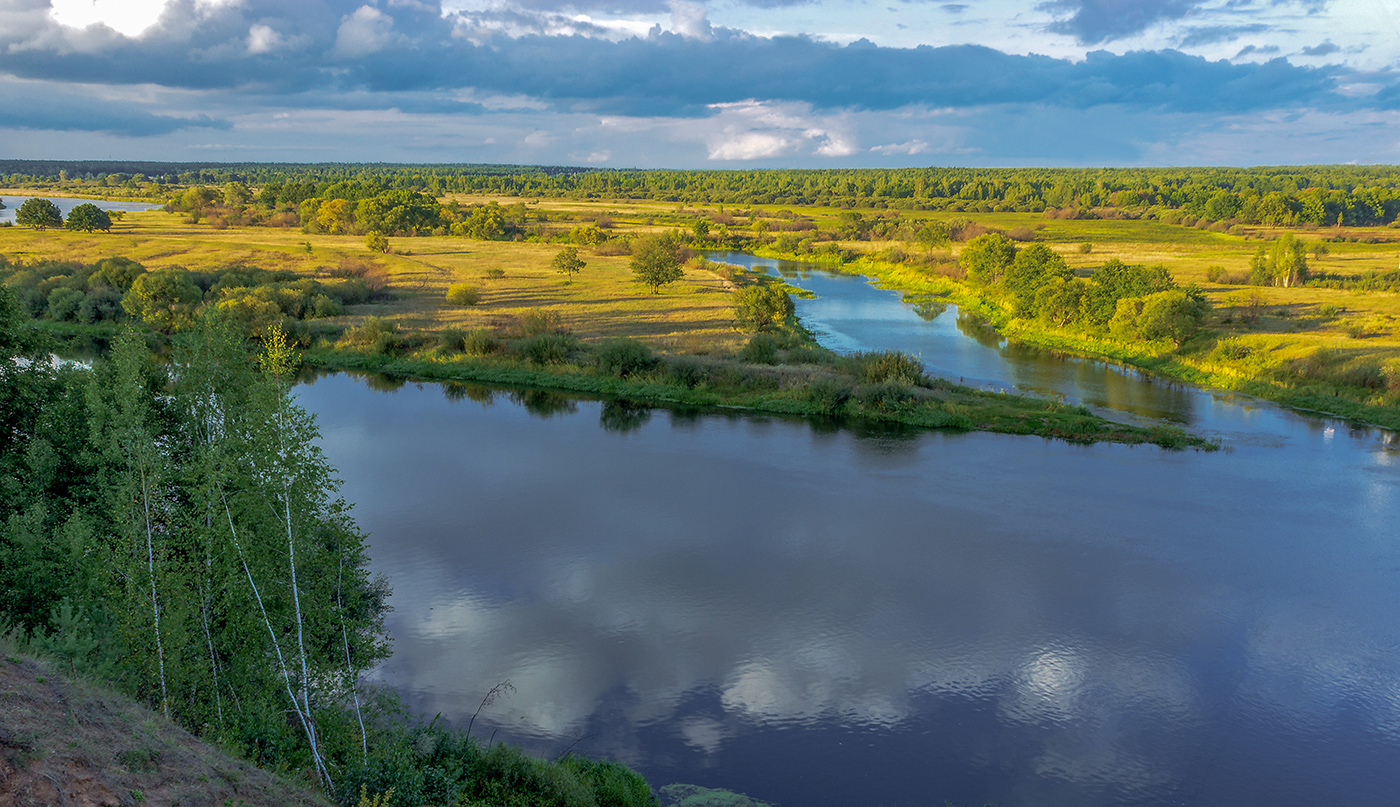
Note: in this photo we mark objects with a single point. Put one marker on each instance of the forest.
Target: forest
(1276, 195)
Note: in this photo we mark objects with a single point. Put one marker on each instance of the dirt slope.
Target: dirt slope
(67, 742)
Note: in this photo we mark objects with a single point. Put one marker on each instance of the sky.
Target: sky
(704, 83)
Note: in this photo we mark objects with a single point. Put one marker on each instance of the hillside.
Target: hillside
(65, 741)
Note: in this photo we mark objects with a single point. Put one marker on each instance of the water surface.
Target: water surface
(65, 204)
(820, 615)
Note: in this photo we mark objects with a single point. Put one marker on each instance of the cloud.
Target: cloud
(954, 8)
(26, 105)
(366, 31)
(909, 147)
(690, 20)
(1096, 21)
(1212, 34)
(1262, 50)
(1325, 49)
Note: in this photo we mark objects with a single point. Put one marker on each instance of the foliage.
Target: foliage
(987, 257)
(889, 365)
(624, 357)
(761, 307)
(88, 217)
(656, 261)
(39, 214)
(547, 348)
(376, 242)
(375, 335)
(567, 262)
(463, 294)
(762, 348)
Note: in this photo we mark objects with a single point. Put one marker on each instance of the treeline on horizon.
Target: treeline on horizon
(1271, 195)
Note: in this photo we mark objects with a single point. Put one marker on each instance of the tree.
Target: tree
(567, 262)
(1288, 262)
(656, 262)
(39, 214)
(987, 257)
(1034, 267)
(88, 217)
(336, 216)
(165, 299)
(702, 228)
(932, 234)
(376, 242)
(759, 308)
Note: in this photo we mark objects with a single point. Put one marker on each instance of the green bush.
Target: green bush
(375, 335)
(624, 357)
(537, 322)
(686, 371)
(761, 308)
(829, 394)
(547, 348)
(761, 349)
(463, 294)
(494, 273)
(889, 365)
(885, 396)
(64, 303)
(480, 341)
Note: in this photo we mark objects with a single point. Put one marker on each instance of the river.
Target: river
(65, 204)
(839, 616)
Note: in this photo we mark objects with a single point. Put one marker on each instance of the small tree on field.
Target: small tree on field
(760, 308)
(88, 217)
(39, 214)
(376, 242)
(656, 262)
(567, 262)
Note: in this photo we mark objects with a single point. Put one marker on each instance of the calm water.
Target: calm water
(65, 204)
(828, 616)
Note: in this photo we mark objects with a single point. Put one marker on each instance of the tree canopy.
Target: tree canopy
(656, 261)
(39, 214)
(88, 217)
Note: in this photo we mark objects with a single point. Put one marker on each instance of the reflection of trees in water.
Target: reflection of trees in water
(383, 383)
(455, 391)
(928, 308)
(624, 416)
(976, 327)
(545, 403)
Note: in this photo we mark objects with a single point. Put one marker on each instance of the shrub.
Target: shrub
(889, 365)
(537, 322)
(686, 371)
(463, 294)
(1215, 273)
(761, 349)
(324, 306)
(494, 273)
(760, 308)
(829, 394)
(450, 340)
(624, 357)
(375, 241)
(547, 348)
(375, 335)
(885, 396)
(64, 303)
(1085, 248)
(480, 341)
(1230, 350)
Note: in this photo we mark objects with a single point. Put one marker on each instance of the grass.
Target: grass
(67, 740)
(514, 281)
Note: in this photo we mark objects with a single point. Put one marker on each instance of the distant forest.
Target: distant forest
(1277, 195)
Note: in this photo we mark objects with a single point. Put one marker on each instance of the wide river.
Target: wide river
(814, 615)
(66, 204)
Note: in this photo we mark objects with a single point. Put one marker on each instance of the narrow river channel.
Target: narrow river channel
(835, 616)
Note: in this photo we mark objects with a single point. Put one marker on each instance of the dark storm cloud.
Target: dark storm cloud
(24, 106)
(409, 56)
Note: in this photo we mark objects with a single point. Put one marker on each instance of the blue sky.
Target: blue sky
(723, 84)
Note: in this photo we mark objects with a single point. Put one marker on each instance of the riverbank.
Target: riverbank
(1266, 366)
(807, 390)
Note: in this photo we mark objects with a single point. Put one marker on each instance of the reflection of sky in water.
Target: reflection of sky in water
(64, 205)
(818, 617)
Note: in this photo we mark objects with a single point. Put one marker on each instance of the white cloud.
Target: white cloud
(367, 31)
(690, 20)
(910, 147)
(749, 146)
(127, 17)
(264, 39)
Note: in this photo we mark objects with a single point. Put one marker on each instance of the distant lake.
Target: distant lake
(66, 204)
(818, 614)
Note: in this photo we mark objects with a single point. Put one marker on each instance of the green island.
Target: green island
(171, 526)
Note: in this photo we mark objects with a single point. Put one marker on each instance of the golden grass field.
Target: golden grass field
(694, 314)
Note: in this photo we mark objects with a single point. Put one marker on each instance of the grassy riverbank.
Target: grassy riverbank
(875, 388)
(1295, 353)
